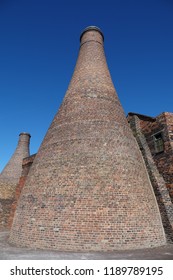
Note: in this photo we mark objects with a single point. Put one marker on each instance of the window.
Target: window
(158, 142)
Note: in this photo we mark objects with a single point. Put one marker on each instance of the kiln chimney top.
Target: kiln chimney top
(91, 28)
(25, 133)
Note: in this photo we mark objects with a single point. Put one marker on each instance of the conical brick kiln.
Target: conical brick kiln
(88, 188)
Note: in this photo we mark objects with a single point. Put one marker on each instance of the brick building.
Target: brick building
(157, 135)
(9, 178)
(92, 186)
(26, 165)
(158, 132)
(88, 188)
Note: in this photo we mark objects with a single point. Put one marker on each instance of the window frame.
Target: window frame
(158, 142)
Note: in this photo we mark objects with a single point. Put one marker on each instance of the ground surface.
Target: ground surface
(8, 252)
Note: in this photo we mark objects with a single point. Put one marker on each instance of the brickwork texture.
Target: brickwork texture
(88, 187)
(158, 183)
(9, 178)
(164, 160)
(26, 165)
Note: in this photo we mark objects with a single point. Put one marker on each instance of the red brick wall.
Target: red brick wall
(163, 160)
(5, 209)
(158, 183)
(27, 163)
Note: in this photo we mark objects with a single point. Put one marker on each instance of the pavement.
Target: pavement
(10, 252)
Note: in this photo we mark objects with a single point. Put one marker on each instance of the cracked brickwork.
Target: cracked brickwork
(88, 187)
(9, 178)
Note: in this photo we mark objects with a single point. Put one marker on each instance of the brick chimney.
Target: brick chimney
(88, 189)
(9, 178)
(13, 169)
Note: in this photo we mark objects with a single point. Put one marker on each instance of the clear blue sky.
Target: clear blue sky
(39, 43)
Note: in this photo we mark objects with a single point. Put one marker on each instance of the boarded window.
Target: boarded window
(158, 142)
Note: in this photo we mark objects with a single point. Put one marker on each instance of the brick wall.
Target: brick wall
(26, 165)
(6, 200)
(158, 183)
(164, 160)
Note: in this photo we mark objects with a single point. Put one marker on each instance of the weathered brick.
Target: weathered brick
(9, 179)
(88, 179)
(163, 160)
(137, 123)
